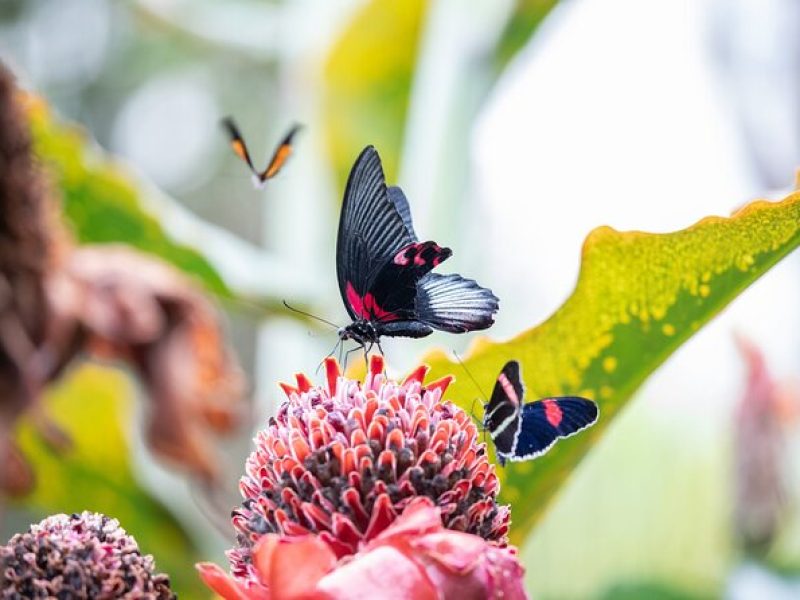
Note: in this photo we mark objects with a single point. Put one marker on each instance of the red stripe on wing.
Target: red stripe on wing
(553, 412)
(367, 307)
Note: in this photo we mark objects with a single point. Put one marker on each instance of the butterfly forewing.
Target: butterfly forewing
(371, 232)
(237, 142)
(502, 413)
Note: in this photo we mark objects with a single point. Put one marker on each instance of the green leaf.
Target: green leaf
(94, 405)
(368, 83)
(521, 25)
(639, 296)
(101, 201)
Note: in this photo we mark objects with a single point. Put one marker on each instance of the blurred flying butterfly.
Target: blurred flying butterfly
(524, 431)
(384, 271)
(279, 156)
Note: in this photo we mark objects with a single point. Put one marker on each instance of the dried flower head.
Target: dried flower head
(78, 556)
(59, 303)
(343, 461)
(25, 256)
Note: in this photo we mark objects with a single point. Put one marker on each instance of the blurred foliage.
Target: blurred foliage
(647, 591)
(367, 83)
(94, 406)
(524, 20)
(101, 201)
(639, 296)
(369, 75)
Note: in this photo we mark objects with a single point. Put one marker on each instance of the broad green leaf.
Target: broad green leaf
(639, 296)
(521, 25)
(368, 83)
(101, 201)
(94, 405)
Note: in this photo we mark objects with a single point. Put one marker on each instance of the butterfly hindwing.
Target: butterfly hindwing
(455, 304)
(546, 421)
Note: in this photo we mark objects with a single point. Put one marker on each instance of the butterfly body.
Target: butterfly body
(522, 431)
(384, 271)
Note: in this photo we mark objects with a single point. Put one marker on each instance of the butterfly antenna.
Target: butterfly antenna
(306, 314)
(209, 504)
(466, 370)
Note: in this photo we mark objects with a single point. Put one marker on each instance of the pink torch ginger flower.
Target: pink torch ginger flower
(343, 461)
(415, 557)
(355, 485)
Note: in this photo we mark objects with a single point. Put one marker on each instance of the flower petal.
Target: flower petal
(293, 566)
(384, 573)
(221, 583)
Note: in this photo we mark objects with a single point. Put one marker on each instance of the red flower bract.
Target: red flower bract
(415, 557)
(343, 461)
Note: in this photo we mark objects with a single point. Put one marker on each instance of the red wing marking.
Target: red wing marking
(366, 307)
(422, 253)
(376, 312)
(553, 412)
(355, 301)
(508, 388)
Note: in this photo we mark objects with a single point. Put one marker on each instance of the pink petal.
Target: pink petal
(384, 573)
(332, 372)
(420, 516)
(293, 566)
(440, 384)
(221, 583)
(459, 552)
(417, 375)
(382, 516)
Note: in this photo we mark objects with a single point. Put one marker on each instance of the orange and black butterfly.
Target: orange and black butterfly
(279, 157)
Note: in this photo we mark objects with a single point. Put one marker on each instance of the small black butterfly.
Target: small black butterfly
(279, 156)
(524, 431)
(384, 271)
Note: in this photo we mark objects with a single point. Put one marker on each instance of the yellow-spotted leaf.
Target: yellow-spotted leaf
(367, 83)
(94, 406)
(639, 296)
(101, 201)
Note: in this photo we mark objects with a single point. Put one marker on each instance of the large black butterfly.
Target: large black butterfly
(279, 156)
(384, 271)
(524, 431)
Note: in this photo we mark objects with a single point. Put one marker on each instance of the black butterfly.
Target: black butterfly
(524, 431)
(279, 156)
(384, 271)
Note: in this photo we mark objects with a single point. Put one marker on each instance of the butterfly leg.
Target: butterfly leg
(331, 353)
(366, 353)
(380, 348)
(347, 355)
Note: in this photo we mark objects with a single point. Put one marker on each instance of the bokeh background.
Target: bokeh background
(515, 127)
